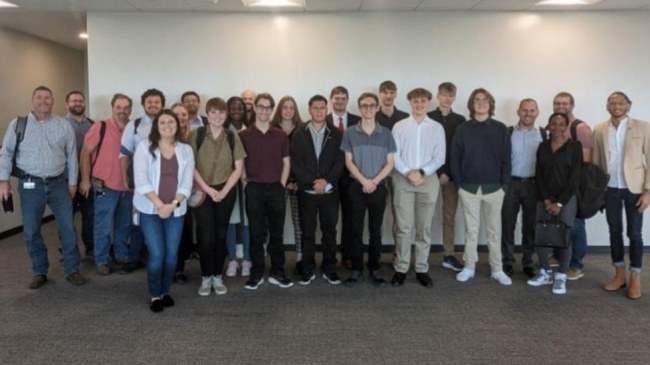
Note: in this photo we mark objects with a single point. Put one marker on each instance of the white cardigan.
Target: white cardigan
(146, 173)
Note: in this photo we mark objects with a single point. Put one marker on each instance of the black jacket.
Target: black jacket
(304, 164)
(352, 120)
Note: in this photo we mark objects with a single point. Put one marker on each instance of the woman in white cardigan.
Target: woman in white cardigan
(163, 174)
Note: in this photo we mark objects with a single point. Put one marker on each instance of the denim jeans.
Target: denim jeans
(162, 237)
(231, 240)
(579, 240)
(617, 200)
(86, 207)
(136, 243)
(112, 223)
(55, 194)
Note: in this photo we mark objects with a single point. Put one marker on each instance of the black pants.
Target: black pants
(265, 202)
(186, 246)
(617, 201)
(211, 227)
(519, 195)
(86, 207)
(326, 207)
(375, 204)
(347, 223)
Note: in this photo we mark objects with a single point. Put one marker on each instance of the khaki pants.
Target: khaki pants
(449, 208)
(490, 205)
(414, 205)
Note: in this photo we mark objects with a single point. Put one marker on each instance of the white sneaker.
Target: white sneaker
(465, 275)
(231, 271)
(502, 278)
(206, 286)
(542, 278)
(218, 286)
(246, 268)
(559, 286)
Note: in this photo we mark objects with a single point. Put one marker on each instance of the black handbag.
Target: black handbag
(552, 234)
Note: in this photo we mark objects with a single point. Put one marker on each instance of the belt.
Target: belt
(523, 179)
(44, 180)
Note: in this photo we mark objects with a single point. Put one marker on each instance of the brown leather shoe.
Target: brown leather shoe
(103, 270)
(618, 282)
(634, 289)
(76, 279)
(38, 281)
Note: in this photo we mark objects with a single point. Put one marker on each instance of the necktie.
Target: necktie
(341, 127)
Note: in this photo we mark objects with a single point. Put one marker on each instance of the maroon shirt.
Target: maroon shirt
(168, 179)
(265, 153)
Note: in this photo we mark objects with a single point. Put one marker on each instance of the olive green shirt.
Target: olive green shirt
(207, 156)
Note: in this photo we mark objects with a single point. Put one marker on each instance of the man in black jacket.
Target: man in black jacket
(317, 163)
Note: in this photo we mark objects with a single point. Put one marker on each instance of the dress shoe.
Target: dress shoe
(634, 289)
(424, 279)
(618, 282)
(38, 281)
(167, 301)
(398, 279)
(76, 279)
(376, 280)
(530, 272)
(156, 305)
(354, 279)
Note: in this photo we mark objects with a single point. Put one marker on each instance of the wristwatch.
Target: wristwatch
(176, 203)
(559, 204)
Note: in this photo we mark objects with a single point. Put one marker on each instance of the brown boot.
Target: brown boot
(634, 289)
(618, 281)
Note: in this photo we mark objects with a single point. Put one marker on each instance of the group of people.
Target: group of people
(144, 184)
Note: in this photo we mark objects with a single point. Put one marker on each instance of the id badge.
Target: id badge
(29, 185)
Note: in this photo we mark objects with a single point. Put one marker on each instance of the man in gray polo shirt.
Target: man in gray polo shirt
(47, 151)
(369, 150)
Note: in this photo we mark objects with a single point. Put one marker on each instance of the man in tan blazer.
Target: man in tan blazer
(622, 150)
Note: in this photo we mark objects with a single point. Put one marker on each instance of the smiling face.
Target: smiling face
(42, 102)
(182, 115)
(152, 105)
(237, 110)
(288, 110)
(339, 103)
(419, 106)
(368, 107)
(481, 105)
(121, 110)
(563, 104)
(528, 113)
(217, 118)
(191, 104)
(557, 126)
(249, 99)
(618, 106)
(76, 104)
(263, 110)
(167, 126)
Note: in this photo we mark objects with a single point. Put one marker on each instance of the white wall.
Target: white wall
(514, 55)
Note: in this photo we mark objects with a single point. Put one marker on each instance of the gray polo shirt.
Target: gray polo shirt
(369, 151)
(80, 130)
(48, 148)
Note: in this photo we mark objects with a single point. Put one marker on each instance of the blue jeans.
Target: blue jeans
(163, 237)
(616, 200)
(55, 194)
(112, 220)
(136, 243)
(231, 241)
(579, 241)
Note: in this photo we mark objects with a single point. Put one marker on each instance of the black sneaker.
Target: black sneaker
(253, 284)
(298, 271)
(156, 305)
(167, 301)
(354, 279)
(376, 280)
(281, 281)
(424, 279)
(180, 278)
(450, 262)
(306, 279)
(508, 270)
(332, 278)
(398, 279)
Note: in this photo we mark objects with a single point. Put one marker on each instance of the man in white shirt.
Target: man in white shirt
(421, 149)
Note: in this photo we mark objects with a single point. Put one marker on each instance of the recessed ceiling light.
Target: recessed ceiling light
(274, 3)
(7, 4)
(567, 2)
(83, 35)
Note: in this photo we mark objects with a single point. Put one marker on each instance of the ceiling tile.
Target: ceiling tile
(332, 5)
(41, 4)
(160, 5)
(390, 5)
(100, 5)
(442, 5)
(621, 4)
(504, 5)
(222, 5)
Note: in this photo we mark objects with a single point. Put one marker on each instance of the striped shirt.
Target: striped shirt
(48, 148)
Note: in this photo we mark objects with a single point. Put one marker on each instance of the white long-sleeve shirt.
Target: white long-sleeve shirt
(147, 176)
(419, 146)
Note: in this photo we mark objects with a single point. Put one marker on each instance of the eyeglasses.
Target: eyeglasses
(481, 101)
(368, 106)
(263, 108)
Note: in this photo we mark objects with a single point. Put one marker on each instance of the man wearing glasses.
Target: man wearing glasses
(369, 150)
(265, 176)
(420, 153)
(480, 165)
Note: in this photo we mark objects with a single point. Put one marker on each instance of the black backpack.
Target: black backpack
(542, 132)
(102, 134)
(21, 126)
(591, 189)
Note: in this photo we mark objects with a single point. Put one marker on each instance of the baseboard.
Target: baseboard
(19, 229)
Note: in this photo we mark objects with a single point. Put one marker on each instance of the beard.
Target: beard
(78, 110)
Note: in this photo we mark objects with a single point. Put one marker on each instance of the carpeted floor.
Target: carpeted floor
(108, 320)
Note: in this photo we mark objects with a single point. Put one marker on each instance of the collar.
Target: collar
(311, 128)
(359, 128)
(624, 123)
(335, 117)
(488, 121)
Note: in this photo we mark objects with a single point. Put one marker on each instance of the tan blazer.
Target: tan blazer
(637, 153)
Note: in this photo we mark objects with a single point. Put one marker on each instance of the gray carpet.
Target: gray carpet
(108, 320)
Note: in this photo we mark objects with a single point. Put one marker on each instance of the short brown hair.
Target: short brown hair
(367, 95)
(565, 94)
(419, 93)
(387, 86)
(470, 102)
(216, 104)
(339, 90)
(266, 96)
(119, 96)
(448, 87)
(42, 88)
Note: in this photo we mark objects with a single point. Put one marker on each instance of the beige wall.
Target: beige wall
(25, 63)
